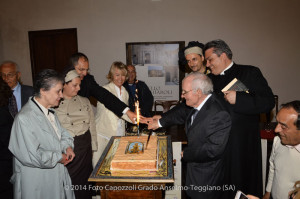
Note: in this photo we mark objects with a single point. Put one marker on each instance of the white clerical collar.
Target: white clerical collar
(297, 147)
(45, 110)
(202, 103)
(222, 73)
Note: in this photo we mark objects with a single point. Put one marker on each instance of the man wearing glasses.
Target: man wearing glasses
(11, 75)
(89, 87)
(207, 124)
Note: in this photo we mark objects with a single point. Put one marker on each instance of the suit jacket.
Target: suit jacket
(37, 152)
(89, 87)
(207, 140)
(26, 93)
(145, 98)
(244, 167)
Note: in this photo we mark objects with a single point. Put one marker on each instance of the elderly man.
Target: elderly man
(11, 75)
(89, 87)
(207, 127)
(138, 90)
(192, 55)
(244, 168)
(285, 155)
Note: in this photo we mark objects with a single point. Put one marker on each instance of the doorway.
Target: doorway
(51, 49)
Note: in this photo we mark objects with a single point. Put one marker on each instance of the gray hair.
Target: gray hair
(45, 80)
(202, 82)
(219, 46)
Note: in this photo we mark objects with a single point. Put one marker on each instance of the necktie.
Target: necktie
(50, 111)
(13, 108)
(192, 117)
(195, 112)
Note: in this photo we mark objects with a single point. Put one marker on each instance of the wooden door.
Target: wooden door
(51, 48)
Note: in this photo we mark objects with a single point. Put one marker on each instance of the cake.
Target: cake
(132, 154)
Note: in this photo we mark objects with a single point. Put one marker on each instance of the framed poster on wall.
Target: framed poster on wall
(157, 65)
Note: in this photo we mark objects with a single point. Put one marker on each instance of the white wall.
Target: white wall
(264, 33)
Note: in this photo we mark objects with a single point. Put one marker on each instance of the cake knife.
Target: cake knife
(148, 138)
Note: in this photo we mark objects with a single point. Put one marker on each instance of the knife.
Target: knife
(148, 138)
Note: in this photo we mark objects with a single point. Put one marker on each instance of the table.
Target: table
(135, 184)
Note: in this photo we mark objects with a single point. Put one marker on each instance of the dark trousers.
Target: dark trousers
(81, 167)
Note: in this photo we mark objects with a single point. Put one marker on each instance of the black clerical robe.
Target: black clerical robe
(244, 164)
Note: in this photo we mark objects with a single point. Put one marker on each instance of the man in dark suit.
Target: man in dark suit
(244, 167)
(89, 87)
(207, 126)
(11, 75)
(138, 90)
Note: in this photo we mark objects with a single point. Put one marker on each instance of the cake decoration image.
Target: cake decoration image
(135, 148)
(131, 154)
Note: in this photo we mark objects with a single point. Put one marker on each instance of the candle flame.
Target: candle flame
(136, 95)
(137, 112)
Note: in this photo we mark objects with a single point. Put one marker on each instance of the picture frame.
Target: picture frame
(157, 65)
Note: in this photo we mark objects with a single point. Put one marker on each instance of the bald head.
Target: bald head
(10, 74)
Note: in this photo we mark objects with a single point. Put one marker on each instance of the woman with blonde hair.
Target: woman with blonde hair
(107, 123)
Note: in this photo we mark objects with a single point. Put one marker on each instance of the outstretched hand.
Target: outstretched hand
(145, 120)
(152, 122)
(132, 116)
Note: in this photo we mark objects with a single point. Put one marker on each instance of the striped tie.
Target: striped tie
(13, 108)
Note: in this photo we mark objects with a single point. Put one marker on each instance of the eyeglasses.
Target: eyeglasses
(8, 75)
(185, 92)
(83, 69)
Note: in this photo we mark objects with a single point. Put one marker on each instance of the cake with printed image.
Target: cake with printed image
(132, 154)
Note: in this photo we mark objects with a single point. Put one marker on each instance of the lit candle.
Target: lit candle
(136, 95)
(137, 109)
(137, 116)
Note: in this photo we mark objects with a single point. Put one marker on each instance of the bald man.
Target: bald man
(10, 73)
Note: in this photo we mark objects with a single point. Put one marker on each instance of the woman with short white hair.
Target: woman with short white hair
(40, 145)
